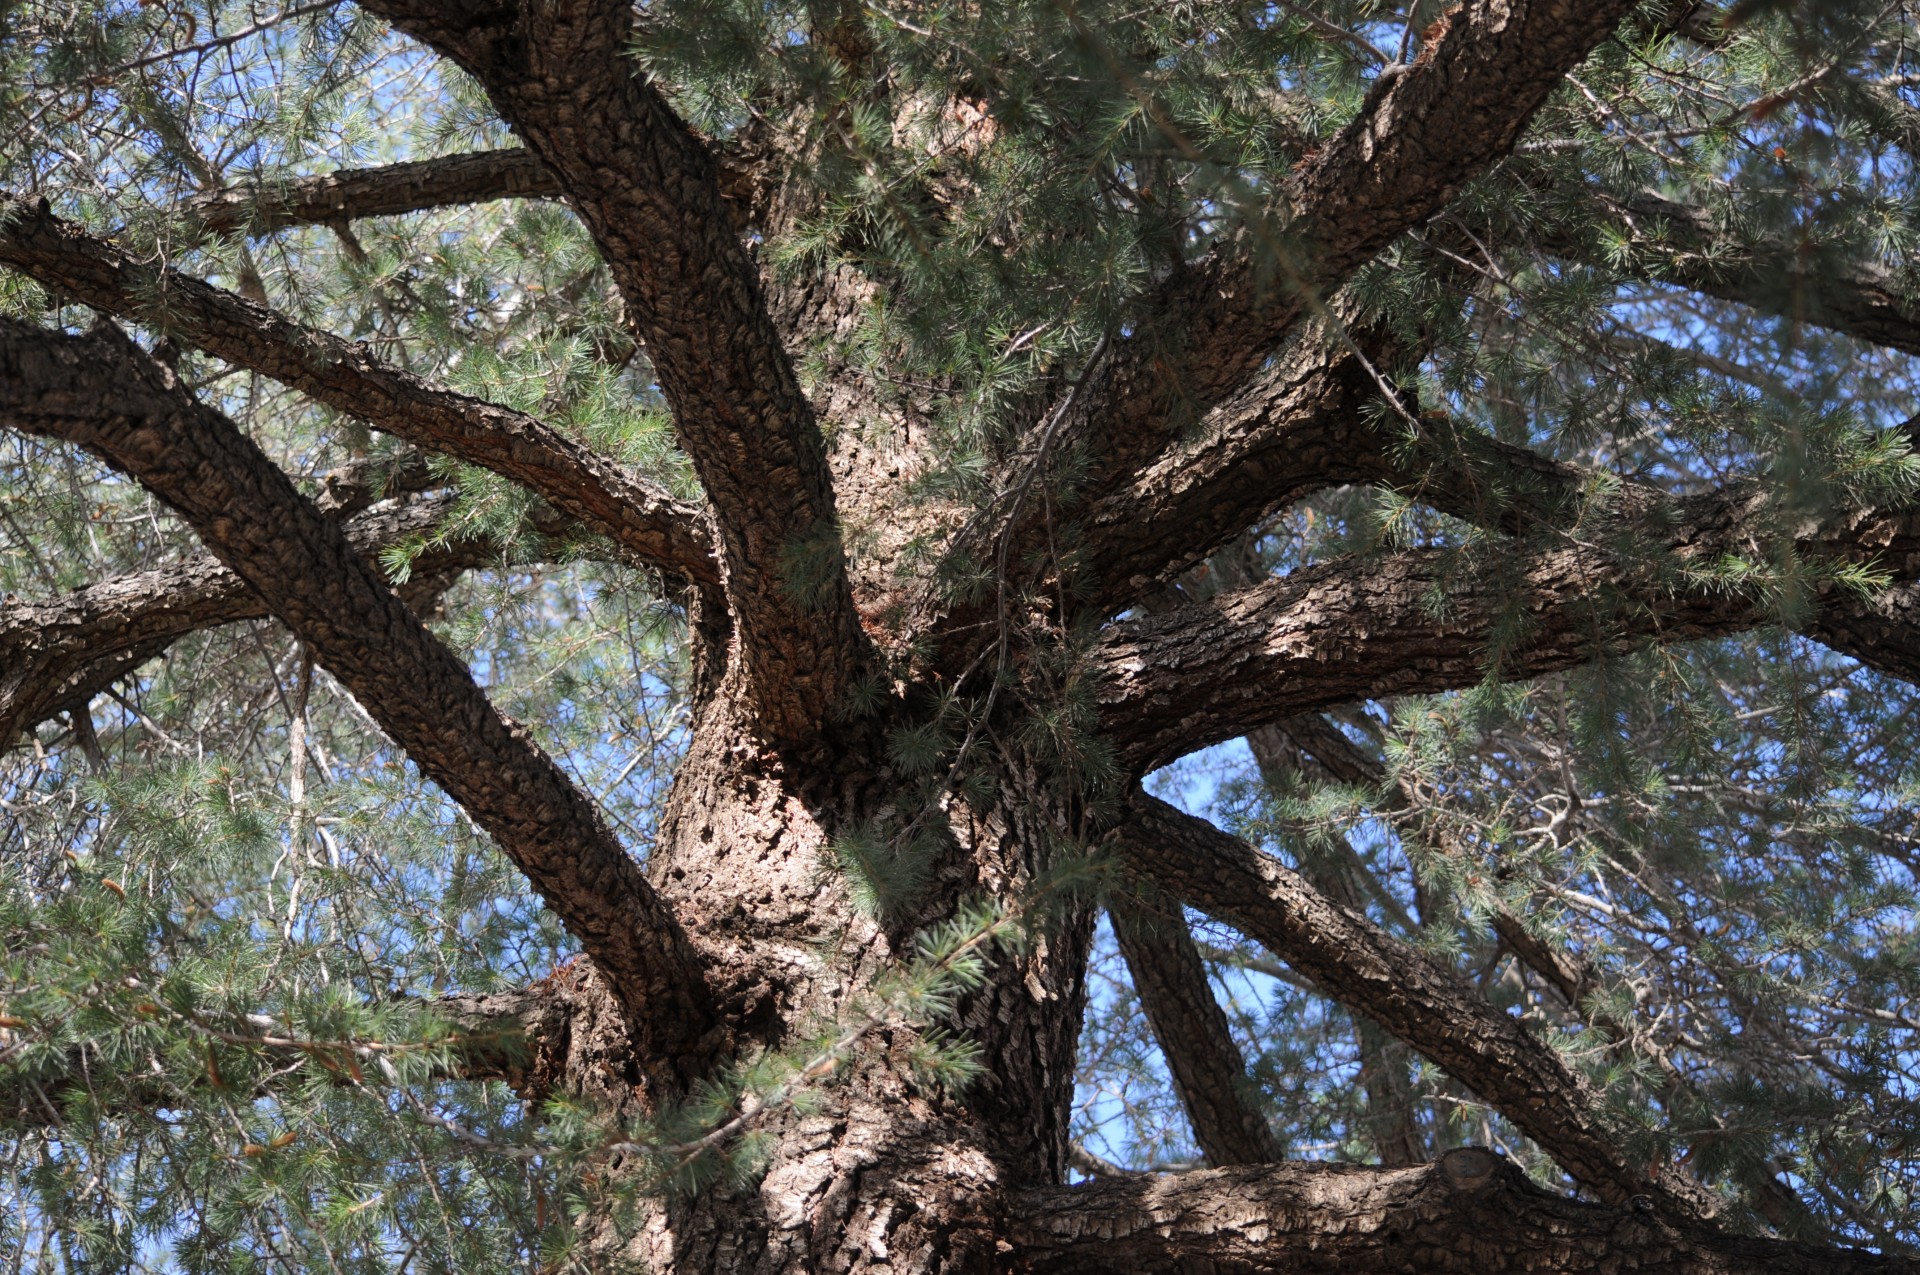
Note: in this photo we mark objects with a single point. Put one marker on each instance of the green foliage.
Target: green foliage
(227, 906)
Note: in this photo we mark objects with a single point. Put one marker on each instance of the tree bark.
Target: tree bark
(1208, 1070)
(1469, 1212)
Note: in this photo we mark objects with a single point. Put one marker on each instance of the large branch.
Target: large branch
(1681, 245)
(1208, 1070)
(1470, 1212)
(100, 392)
(634, 513)
(1429, 1007)
(1424, 131)
(647, 189)
(1422, 621)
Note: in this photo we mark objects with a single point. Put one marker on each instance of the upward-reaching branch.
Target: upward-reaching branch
(1207, 1068)
(1426, 1006)
(102, 393)
(646, 187)
(1424, 130)
(636, 514)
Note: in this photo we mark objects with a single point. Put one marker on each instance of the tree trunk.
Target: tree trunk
(889, 1172)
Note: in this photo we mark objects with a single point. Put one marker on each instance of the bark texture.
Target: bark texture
(1227, 402)
(648, 191)
(1470, 1212)
(1208, 1069)
(634, 513)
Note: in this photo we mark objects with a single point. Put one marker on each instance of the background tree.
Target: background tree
(1318, 597)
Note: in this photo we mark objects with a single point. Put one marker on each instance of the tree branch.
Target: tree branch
(1422, 621)
(1208, 1070)
(102, 393)
(537, 1039)
(1470, 1212)
(1680, 244)
(635, 514)
(647, 190)
(1424, 130)
(57, 654)
(1419, 1002)
(390, 190)
(1339, 873)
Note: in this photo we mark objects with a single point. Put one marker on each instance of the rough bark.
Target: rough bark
(636, 514)
(1469, 1212)
(647, 190)
(100, 392)
(1208, 1070)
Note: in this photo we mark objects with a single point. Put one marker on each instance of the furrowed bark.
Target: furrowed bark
(390, 190)
(1423, 132)
(1208, 1070)
(1470, 1212)
(100, 392)
(647, 190)
(639, 516)
(1419, 1002)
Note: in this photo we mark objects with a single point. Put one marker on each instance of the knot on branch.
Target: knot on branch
(1469, 1168)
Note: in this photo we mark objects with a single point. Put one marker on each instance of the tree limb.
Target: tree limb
(390, 190)
(538, 1038)
(57, 654)
(1470, 1212)
(1424, 130)
(1339, 873)
(100, 392)
(647, 190)
(636, 514)
(1680, 244)
(1419, 1002)
(1423, 620)
(1208, 1070)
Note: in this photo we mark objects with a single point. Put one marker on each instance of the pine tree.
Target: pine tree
(1051, 636)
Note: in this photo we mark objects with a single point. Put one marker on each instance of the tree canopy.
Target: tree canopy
(1059, 635)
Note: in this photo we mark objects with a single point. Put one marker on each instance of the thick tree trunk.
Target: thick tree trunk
(888, 1173)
